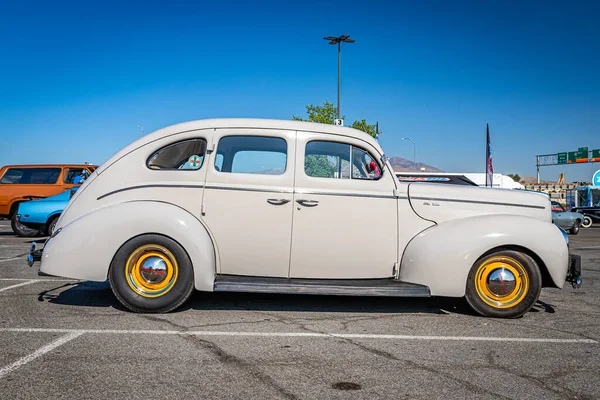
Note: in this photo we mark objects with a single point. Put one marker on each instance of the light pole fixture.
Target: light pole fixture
(338, 40)
(414, 153)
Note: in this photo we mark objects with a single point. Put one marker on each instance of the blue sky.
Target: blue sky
(77, 78)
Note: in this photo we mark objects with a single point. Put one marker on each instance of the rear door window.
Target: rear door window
(251, 155)
(31, 176)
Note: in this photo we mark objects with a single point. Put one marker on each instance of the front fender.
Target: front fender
(441, 256)
(84, 248)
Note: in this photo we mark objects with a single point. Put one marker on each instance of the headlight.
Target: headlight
(564, 233)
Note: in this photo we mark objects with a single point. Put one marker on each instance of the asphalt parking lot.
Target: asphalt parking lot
(65, 339)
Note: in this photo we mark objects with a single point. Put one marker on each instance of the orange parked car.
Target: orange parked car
(20, 183)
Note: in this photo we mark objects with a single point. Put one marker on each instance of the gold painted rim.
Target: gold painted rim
(501, 263)
(136, 273)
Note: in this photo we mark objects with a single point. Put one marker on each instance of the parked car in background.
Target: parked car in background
(568, 220)
(41, 215)
(209, 205)
(591, 215)
(19, 183)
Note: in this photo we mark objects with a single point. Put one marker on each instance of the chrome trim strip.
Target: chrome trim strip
(148, 186)
(247, 189)
(478, 202)
(376, 196)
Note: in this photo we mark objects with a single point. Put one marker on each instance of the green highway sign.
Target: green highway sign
(562, 158)
(582, 155)
(595, 155)
(572, 157)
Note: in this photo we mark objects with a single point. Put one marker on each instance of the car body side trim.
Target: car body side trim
(125, 189)
(477, 202)
(250, 189)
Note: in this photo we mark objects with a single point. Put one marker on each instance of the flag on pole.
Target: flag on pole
(489, 170)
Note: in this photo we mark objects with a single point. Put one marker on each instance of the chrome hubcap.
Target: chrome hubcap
(501, 282)
(154, 270)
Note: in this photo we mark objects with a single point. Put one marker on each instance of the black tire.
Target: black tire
(587, 221)
(526, 293)
(120, 276)
(52, 225)
(20, 229)
(575, 228)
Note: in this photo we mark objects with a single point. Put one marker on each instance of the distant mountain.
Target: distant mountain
(403, 165)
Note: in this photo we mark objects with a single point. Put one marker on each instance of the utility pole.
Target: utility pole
(338, 40)
(414, 153)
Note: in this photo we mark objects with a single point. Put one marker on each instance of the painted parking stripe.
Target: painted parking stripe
(304, 335)
(39, 280)
(38, 353)
(19, 284)
(11, 259)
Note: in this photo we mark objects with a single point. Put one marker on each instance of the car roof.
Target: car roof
(241, 123)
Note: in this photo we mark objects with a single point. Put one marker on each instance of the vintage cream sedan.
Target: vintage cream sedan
(247, 205)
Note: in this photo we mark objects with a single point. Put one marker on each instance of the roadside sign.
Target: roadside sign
(582, 155)
(595, 155)
(338, 122)
(596, 179)
(562, 158)
(571, 157)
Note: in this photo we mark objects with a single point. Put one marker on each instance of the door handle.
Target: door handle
(308, 203)
(278, 202)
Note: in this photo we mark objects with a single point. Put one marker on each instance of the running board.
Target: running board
(338, 287)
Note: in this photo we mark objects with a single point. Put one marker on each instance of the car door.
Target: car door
(560, 217)
(345, 212)
(247, 202)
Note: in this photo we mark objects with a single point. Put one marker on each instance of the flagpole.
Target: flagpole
(487, 146)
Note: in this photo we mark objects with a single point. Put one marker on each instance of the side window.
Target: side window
(186, 155)
(327, 160)
(31, 176)
(363, 165)
(339, 161)
(73, 175)
(251, 155)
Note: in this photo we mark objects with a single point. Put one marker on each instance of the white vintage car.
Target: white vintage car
(247, 205)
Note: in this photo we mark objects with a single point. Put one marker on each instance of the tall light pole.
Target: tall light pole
(414, 153)
(338, 40)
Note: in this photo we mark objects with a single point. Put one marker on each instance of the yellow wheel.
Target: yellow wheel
(151, 270)
(151, 273)
(506, 283)
(501, 282)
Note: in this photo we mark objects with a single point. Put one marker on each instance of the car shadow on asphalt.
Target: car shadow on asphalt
(99, 294)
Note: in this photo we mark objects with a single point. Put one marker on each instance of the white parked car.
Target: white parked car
(293, 207)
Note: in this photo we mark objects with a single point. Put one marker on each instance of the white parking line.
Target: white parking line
(11, 259)
(304, 334)
(38, 353)
(19, 284)
(39, 280)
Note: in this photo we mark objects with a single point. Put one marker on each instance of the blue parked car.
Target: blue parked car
(43, 214)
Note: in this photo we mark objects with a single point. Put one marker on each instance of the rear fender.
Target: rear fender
(441, 256)
(84, 248)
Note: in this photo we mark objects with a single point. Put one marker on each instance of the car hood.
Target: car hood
(441, 203)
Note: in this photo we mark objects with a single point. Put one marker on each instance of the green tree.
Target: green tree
(363, 126)
(515, 177)
(327, 113)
